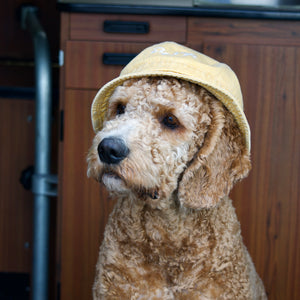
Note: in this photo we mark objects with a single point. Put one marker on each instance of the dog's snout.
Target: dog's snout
(112, 150)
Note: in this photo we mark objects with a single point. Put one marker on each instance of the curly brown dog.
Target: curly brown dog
(171, 152)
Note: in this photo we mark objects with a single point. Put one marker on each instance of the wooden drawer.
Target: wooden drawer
(238, 31)
(129, 28)
(84, 62)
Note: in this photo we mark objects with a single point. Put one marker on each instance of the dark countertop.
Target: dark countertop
(225, 11)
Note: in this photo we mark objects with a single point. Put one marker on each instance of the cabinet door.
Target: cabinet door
(16, 154)
(268, 201)
(84, 203)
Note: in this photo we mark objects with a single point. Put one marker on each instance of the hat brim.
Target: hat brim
(100, 102)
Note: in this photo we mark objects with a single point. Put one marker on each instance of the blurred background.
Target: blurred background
(90, 41)
(17, 120)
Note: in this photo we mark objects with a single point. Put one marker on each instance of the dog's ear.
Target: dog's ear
(221, 161)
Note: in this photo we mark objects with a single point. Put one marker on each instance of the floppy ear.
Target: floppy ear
(220, 163)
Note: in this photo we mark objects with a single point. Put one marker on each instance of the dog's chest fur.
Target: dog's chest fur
(175, 243)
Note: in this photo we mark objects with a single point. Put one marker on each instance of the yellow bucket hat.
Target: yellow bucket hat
(172, 59)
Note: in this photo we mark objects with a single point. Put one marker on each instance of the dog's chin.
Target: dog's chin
(114, 183)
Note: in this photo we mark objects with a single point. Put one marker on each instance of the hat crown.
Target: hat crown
(176, 59)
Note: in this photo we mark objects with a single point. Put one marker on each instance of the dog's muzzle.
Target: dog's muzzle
(112, 150)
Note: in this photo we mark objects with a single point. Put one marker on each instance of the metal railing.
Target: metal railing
(42, 180)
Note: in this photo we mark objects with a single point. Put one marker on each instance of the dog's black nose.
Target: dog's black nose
(112, 150)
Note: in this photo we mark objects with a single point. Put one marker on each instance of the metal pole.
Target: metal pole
(41, 217)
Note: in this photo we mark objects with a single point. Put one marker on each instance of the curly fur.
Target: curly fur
(173, 233)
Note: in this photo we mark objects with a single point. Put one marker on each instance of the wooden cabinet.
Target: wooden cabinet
(265, 55)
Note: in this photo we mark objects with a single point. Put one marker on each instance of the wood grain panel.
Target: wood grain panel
(244, 31)
(17, 153)
(90, 27)
(268, 201)
(84, 204)
(84, 67)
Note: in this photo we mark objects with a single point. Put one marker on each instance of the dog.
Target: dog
(170, 152)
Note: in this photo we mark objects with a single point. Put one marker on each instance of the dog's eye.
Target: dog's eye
(170, 121)
(120, 109)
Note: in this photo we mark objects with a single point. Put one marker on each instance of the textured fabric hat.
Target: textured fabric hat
(172, 59)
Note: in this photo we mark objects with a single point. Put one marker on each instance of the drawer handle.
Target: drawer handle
(120, 59)
(125, 27)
